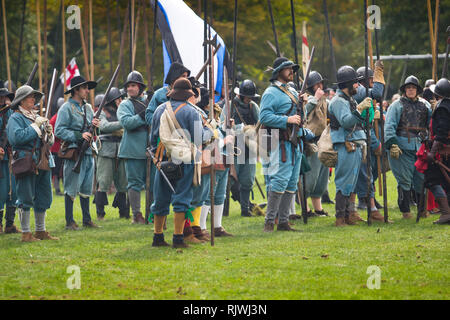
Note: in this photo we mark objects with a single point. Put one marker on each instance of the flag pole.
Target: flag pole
(38, 22)
(91, 51)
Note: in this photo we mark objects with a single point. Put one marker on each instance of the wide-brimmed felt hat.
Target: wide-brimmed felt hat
(281, 63)
(182, 90)
(23, 92)
(78, 81)
(4, 92)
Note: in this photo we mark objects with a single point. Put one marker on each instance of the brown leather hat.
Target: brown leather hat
(182, 90)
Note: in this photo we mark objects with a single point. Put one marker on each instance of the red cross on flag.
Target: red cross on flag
(305, 50)
(71, 71)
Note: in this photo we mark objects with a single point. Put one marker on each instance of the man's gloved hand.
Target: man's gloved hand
(365, 104)
(40, 121)
(212, 123)
(395, 151)
(378, 75)
(48, 129)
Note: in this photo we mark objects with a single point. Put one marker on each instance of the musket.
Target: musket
(45, 148)
(383, 145)
(32, 74)
(86, 144)
(368, 127)
(274, 30)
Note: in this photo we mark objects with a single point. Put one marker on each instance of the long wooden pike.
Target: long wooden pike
(436, 39)
(39, 47)
(432, 42)
(85, 52)
(108, 21)
(135, 34)
(45, 54)
(383, 145)
(5, 29)
(22, 25)
(211, 45)
(155, 16)
(368, 127)
(330, 39)
(63, 26)
(147, 46)
(91, 51)
(122, 39)
(226, 209)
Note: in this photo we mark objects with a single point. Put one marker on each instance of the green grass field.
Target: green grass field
(323, 262)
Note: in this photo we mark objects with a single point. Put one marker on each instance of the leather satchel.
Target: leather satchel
(67, 153)
(24, 166)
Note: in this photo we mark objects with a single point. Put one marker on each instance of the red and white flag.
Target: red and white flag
(71, 71)
(305, 50)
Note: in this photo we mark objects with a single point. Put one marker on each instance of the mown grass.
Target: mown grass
(323, 262)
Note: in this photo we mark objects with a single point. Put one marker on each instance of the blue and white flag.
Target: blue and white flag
(182, 36)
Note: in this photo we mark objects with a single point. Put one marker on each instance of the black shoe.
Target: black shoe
(246, 214)
(310, 214)
(326, 199)
(322, 213)
(158, 241)
(295, 217)
(362, 204)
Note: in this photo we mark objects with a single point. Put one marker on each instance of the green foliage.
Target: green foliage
(404, 30)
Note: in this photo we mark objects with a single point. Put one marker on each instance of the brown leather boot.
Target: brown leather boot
(268, 227)
(138, 219)
(199, 234)
(28, 237)
(220, 232)
(407, 215)
(12, 229)
(90, 224)
(192, 239)
(424, 214)
(445, 211)
(376, 216)
(44, 235)
(355, 217)
(340, 222)
(286, 227)
(205, 235)
(350, 221)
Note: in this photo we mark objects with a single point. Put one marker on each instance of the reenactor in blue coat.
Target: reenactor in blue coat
(245, 113)
(27, 131)
(176, 71)
(348, 137)
(7, 180)
(190, 121)
(110, 168)
(131, 115)
(316, 110)
(375, 83)
(72, 126)
(278, 112)
(407, 123)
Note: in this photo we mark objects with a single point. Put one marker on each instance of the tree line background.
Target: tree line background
(404, 30)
